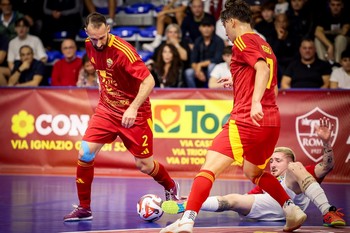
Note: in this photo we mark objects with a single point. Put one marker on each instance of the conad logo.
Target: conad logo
(45, 124)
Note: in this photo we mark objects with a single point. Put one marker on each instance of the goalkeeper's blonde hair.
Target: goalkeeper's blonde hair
(287, 151)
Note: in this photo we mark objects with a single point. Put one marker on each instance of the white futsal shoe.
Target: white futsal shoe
(183, 225)
(295, 217)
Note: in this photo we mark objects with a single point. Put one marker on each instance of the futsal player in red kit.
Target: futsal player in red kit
(251, 133)
(123, 110)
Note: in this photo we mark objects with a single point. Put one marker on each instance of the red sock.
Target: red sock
(161, 175)
(200, 190)
(85, 175)
(272, 186)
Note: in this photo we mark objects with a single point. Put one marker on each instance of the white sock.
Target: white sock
(189, 215)
(316, 194)
(211, 204)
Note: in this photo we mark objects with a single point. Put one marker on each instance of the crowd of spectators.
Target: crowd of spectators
(309, 37)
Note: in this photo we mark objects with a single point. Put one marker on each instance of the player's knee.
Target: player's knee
(144, 167)
(85, 154)
(295, 166)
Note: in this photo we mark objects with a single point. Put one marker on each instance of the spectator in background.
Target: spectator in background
(27, 71)
(24, 38)
(206, 53)
(284, 44)
(8, 17)
(33, 13)
(66, 70)
(61, 16)
(190, 24)
(307, 71)
(168, 68)
(87, 74)
(3, 64)
(173, 36)
(266, 26)
(331, 32)
(301, 22)
(340, 77)
(221, 70)
(174, 12)
(255, 7)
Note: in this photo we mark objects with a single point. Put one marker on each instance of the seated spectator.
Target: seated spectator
(307, 71)
(301, 22)
(190, 24)
(221, 70)
(206, 53)
(173, 36)
(33, 13)
(281, 7)
(27, 71)
(61, 16)
(8, 17)
(174, 12)
(24, 38)
(87, 74)
(331, 32)
(266, 25)
(340, 77)
(66, 70)
(168, 68)
(284, 44)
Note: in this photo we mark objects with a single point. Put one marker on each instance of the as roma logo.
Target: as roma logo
(308, 140)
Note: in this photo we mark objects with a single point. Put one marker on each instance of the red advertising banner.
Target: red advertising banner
(41, 129)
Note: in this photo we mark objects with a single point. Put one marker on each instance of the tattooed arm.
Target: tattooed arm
(324, 131)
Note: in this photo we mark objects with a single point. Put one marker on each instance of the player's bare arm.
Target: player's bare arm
(145, 90)
(261, 79)
(324, 131)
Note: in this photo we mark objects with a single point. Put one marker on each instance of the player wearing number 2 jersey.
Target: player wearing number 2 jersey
(124, 111)
(251, 133)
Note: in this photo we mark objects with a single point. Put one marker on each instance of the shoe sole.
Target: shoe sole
(78, 219)
(173, 207)
(335, 224)
(300, 222)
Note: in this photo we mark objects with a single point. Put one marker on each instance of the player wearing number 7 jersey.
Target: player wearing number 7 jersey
(251, 133)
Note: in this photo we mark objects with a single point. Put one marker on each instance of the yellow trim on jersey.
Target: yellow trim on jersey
(240, 43)
(206, 175)
(122, 47)
(236, 144)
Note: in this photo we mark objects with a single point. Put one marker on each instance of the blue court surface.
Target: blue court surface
(31, 203)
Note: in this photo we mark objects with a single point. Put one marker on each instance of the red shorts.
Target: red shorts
(243, 142)
(105, 127)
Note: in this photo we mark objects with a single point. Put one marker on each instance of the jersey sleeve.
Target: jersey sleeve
(250, 52)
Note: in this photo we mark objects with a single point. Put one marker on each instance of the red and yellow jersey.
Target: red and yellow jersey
(247, 50)
(121, 71)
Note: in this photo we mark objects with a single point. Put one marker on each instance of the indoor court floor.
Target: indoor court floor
(33, 204)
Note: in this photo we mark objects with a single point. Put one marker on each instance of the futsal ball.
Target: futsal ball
(149, 207)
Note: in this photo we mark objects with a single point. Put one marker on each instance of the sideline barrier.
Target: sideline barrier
(41, 129)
